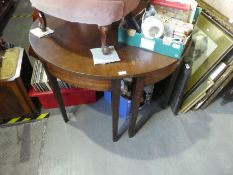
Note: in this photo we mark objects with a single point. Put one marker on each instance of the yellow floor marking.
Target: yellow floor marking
(26, 119)
(42, 116)
(12, 121)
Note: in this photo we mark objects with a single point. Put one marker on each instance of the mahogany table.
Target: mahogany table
(66, 55)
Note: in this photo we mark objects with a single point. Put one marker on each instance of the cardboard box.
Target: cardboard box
(125, 105)
(158, 45)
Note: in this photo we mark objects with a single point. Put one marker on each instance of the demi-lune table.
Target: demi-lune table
(66, 55)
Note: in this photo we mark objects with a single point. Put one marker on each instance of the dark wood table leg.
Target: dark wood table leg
(116, 92)
(136, 99)
(57, 93)
(170, 87)
(174, 76)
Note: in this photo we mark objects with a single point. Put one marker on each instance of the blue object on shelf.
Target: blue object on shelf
(125, 104)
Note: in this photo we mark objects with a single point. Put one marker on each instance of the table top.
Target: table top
(68, 48)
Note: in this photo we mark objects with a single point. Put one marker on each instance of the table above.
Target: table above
(68, 48)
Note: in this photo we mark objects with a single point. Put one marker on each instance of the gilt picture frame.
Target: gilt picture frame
(220, 12)
(210, 44)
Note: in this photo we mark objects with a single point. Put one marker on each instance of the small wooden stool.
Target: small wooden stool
(14, 85)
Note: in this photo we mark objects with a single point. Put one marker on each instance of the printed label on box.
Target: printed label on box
(122, 73)
(176, 46)
(147, 44)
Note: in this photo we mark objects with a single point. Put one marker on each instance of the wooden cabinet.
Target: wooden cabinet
(14, 99)
(4, 7)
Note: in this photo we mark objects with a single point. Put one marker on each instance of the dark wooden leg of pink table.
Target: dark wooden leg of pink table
(135, 123)
(134, 126)
(57, 93)
(116, 92)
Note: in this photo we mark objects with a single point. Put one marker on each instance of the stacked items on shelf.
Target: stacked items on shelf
(183, 10)
(210, 88)
(164, 26)
(70, 95)
(40, 82)
(228, 95)
(126, 97)
(210, 67)
(171, 19)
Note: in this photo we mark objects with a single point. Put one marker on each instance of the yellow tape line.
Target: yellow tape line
(14, 120)
(22, 16)
(42, 116)
(26, 119)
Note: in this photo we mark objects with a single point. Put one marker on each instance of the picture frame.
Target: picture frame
(210, 45)
(220, 12)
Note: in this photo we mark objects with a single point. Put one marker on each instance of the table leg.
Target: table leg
(136, 99)
(116, 92)
(57, 93)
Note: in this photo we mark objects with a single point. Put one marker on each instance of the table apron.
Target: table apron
(104, 84)
(157, 76)
(79, 80)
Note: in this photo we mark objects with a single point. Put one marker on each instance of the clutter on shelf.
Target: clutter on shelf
(71, 95)
(127, 91)
(210, 67)
(228, 95)
(179, 9)
(40, 82)
(162, 26)
(126, 97)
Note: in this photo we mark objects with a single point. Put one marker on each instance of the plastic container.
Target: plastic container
(125, 104)
(72, 96)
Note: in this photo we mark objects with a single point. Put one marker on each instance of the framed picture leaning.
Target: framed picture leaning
(210, 44)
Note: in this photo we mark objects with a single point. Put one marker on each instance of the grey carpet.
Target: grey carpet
(20, 148)
(193, 143)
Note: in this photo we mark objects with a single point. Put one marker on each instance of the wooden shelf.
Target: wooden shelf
(14, 100)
